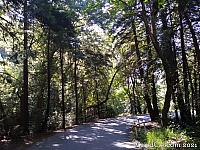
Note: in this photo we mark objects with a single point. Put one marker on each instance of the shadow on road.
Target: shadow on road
(107, 134)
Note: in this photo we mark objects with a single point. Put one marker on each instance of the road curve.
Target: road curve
(106, 134)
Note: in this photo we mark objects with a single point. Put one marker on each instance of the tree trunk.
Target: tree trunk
(154, 98)
(130, 99)
(84, 91)
(3, 115)
(24, 100)
(76, 91)
(97, 93)
(185, 66)
(141, 70)
(177, 94)
(63, 88)
(197, 53)
(137, 99)
(192, 92)
(48, 82)
(136, 106)
(165, 54)
(97, 98)
(196, 86)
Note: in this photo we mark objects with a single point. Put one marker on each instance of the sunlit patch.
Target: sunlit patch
(82, 142)
(28, 142)
(113, 124)
(128, 145)
(113, 131)
(5, 141)
(56, 145)
(88, 138)
(59, 131)
(100, 136)
(84, 138)
(98, 124)
(67, 137)
(96, 128)
(73, 137)
(110, 131)
(73, 131)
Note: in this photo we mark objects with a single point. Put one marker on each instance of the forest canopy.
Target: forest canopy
(69, 62)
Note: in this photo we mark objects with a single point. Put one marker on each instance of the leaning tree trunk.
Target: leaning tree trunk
(164, 53)
(154, 96)
(170, 66)
(142, 77)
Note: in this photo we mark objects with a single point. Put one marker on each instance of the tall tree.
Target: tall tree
(62, 88)
(185, 64)
(48, 80)
(76, 88)
(163, 52)
(24, 100)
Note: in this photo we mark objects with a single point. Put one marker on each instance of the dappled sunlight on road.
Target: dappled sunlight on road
(106, 134)
(127, 145)
(56, 145)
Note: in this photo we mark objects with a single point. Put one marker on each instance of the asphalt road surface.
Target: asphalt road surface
(106, 134)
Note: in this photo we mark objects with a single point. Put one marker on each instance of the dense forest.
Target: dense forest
(69, 62)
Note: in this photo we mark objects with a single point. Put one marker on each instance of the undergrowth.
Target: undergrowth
(166, 138)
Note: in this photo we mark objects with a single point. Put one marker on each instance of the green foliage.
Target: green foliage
(160, 2)
(97, 36)
(119, 102)
(146, 1)
(92, 5)
(161, 138)
(110, 112)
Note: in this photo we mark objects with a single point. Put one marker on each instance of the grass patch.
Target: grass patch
(164, 138)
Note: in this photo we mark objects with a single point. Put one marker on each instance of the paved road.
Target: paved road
(108, 134)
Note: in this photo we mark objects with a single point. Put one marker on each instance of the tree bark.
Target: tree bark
(48, 82)
(137, 99)
(185, 65)
(62, 88)
(197, 53)
(177, 94)
(130, 99)
(165, 54)
(196, 87)
(24, 100)
(84, 91)
(142, 78)
(154, 97)
(153, 89)
(97, 94)
(76, 91)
